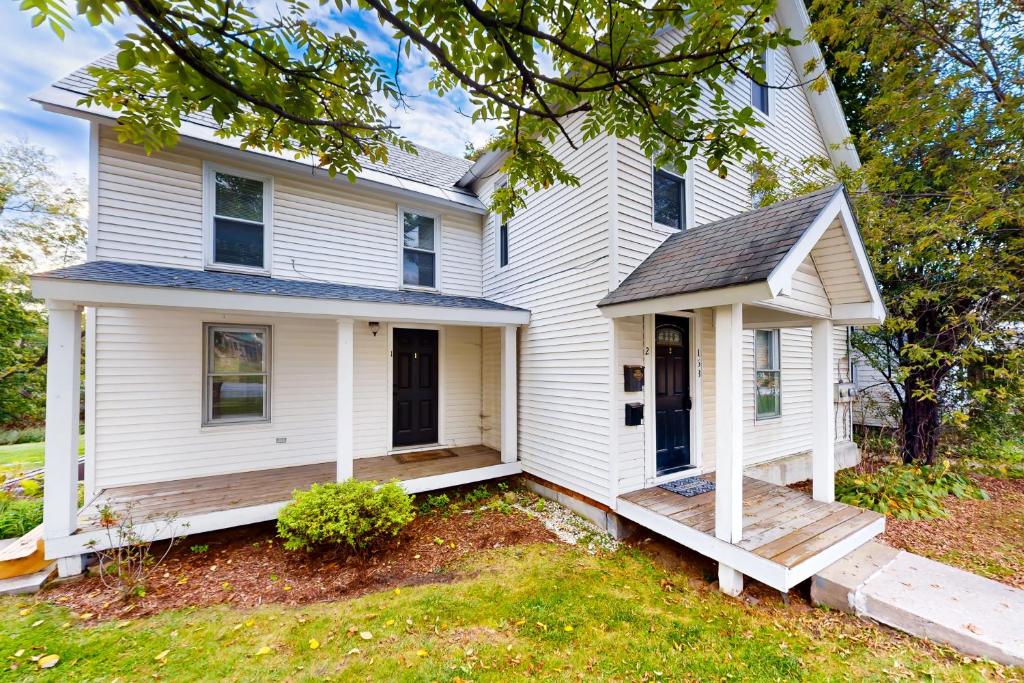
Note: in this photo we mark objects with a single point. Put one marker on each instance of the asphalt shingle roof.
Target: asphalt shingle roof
(430, 166)
(726, 253)
(114, 272)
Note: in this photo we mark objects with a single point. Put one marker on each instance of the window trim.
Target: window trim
(769, 73)
(777, 368)
(209, 206)
(208, 330)
(402, 210)
(686, 178)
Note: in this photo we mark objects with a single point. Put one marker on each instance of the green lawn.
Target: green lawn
(26, 456)
(544, 612)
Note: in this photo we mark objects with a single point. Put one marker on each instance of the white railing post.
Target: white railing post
(345, 387)
(823, 438)
(63, 400)
(729, 436)
(509, 394)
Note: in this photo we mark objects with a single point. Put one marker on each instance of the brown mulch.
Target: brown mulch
(982, 536)
(248, 566)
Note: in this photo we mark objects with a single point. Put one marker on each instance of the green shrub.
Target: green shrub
(906, 492)
(435, 503)
(27, 435)
(480, 493)
(18, 516)
(352, 513)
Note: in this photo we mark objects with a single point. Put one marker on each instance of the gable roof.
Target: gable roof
(733, 251)
(428, 168)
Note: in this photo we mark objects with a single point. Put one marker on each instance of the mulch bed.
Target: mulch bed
(247, 566)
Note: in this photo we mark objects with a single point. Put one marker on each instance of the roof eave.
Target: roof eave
(719, 296)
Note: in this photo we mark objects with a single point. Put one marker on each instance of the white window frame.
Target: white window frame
(209, 206)
(687, 179)
(769, 74)
(777, 362)
(402, 210)
(208, 330)
(499, 219)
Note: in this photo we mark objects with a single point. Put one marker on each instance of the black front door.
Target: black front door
(672, 393)
(415, 387)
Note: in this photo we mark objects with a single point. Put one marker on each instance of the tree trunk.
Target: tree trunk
(921, 420)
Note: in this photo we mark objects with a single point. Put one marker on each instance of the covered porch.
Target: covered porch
(797, 265)
(342, 382)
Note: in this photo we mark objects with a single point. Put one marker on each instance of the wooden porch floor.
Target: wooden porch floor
(787, 535)
(246, 497)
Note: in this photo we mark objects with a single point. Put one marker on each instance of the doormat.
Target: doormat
(423, 456)
(693, 486)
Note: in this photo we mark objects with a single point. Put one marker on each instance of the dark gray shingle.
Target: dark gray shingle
(726, 253)
(429, 167)
(114, 272)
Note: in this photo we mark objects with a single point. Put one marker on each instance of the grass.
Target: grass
(26, 456)
(542, 612)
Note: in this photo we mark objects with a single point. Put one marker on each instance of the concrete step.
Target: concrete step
(928, 599)
(27, 583)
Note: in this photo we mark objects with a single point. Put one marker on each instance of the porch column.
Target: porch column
(509, 394)
(63, 383)
(346, 368)
(823, 444)
(729, 436)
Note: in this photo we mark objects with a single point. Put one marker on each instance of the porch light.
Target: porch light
(374, 327)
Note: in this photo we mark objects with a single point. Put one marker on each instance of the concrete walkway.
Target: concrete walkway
(928, 599)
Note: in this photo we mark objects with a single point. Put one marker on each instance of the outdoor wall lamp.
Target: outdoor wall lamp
(375, 327)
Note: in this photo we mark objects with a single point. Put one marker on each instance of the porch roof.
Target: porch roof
(116, 283)
(745, 258)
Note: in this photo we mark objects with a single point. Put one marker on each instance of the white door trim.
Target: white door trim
(442, 409)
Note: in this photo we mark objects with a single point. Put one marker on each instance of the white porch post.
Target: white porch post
(346, 367)
(509, 394)
(63, 382)
(729, 436)
(823, 455)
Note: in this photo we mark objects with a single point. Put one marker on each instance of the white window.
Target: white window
(767, 374)
(238, 220)
(669, 199)
(237, 374)
(419, 249)
(759, 93)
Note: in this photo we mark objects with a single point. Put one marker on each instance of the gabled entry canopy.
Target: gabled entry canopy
(803, 255)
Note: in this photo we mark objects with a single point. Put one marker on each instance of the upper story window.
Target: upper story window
(238, 207)
(759, 90)
(669, 199)
(767, 374)
(502, 242)
(237, 384)
(419, 249)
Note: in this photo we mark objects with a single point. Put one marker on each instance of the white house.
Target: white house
(253, 326)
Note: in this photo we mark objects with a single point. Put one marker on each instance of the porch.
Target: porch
(787, 535)
(188, 506)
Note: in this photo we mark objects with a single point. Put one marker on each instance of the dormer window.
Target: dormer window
(759, 89)
(237, 220)
(669, 199)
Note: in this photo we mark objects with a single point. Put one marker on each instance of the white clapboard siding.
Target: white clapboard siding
(558, 268)
(150, 210)
(876, 404)
(490, 409)
(806, 293)
(834, 259)
(149, 378)
(629, 350)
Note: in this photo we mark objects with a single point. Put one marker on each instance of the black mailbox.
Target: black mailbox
(634, 414)
(633, 376)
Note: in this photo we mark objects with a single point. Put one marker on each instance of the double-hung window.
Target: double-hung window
(669, 199)
(767, 374)
(502, 242)
(419, 249)
(238, 220)
(759, 85)
(237, 374)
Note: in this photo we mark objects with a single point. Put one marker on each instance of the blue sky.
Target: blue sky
(34, 58)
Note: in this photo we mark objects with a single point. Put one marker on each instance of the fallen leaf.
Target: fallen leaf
(162, 656)
(48, 661)
(37, 623)
(353, 651)
(265, 650)
(422, 653)
(972, 628)
(568, 628)
(314, 643)
(19, 653)
(25, 612)
(366, 635)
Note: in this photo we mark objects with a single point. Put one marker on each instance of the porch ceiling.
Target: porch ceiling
(111, 283)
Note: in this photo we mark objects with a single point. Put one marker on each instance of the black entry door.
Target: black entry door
(415, 387)
(672, 393)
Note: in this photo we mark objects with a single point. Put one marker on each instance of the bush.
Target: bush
(27, 435)
(19, 516)
(352, 513)
(906, 492)
(434, 503)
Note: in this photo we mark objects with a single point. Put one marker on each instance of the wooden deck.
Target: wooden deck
(222, 501)
(787, 535)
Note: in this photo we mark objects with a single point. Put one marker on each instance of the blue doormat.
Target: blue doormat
(693, 486)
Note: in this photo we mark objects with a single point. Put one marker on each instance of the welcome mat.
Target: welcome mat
(690, 487)
(423, 456)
